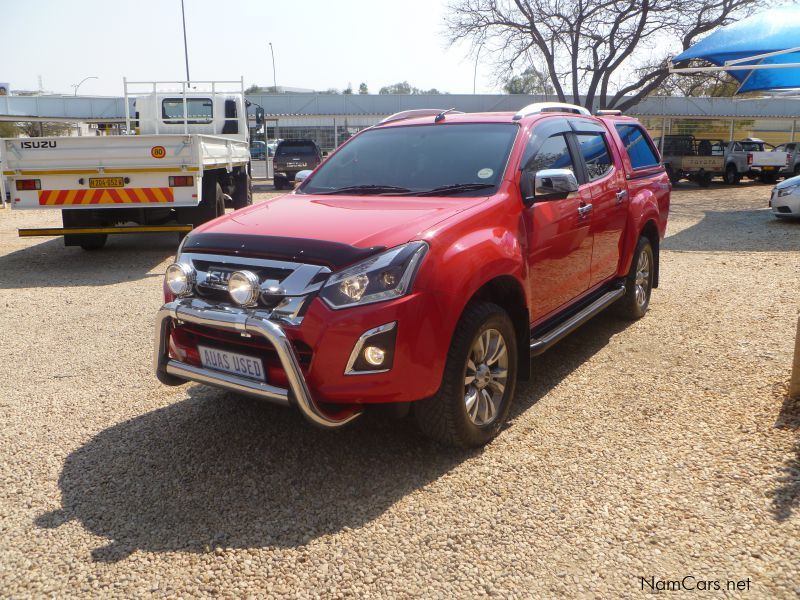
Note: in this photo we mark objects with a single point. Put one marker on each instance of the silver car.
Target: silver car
(785, 199)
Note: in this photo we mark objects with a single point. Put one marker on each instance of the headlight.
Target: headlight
(382, 277)
(788, 191)
(244, 287)
(180, 279)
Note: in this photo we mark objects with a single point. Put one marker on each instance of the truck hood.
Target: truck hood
(335, 230)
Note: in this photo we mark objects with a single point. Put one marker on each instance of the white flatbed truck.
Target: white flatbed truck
(185, 154)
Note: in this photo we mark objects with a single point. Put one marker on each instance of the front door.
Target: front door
(558, 234)
(609, 203)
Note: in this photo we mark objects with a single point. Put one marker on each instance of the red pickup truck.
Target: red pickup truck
(424, 263)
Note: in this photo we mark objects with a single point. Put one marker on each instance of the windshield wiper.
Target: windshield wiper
(366, 189)
(446, 190)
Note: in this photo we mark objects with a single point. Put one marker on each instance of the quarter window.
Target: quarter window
(553, 154)
(594, 151)
(639, 149)
(198, 110)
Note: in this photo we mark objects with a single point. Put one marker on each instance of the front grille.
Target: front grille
(286, 287)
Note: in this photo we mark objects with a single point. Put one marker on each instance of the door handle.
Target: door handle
(584, 210)
(621, 195)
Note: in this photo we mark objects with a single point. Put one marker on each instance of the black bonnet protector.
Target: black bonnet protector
(320, 252)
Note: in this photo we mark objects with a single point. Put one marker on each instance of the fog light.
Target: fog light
(374, 355)
(244, 287)
(179, 279)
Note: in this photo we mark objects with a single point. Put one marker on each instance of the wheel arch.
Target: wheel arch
(506, 292)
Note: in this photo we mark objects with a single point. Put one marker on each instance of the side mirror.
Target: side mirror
(547, 184)
(259, 115)
(301, 176)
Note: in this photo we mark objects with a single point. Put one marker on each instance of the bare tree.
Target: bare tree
(611, 52)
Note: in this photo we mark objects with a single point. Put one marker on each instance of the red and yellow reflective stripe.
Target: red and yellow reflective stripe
(106, 196)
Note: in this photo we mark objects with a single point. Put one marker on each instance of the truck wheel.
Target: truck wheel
(212, 204)
(83, 218)
(94, 241)
(732, 176)
(638, 283)
(478, 383)
(243, 192)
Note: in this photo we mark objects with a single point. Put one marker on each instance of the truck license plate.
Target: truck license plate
(769, 168)
(231, 362)
(106, 182)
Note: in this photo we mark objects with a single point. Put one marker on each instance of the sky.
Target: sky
(318, 44)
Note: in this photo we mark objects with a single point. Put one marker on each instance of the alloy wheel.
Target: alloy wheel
(486, 376)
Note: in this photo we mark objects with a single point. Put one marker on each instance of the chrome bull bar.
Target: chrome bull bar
(173, 372)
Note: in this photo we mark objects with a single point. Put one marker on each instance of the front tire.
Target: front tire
(478, 383)
(638, 283)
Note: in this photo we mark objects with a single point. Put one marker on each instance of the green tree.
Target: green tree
(8, 129)
(363, 89)
(530, 81)
(44, 129)
(253, 89)
(403, 87)
(349, 89)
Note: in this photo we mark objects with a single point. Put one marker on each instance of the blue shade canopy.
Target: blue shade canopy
(771, 31)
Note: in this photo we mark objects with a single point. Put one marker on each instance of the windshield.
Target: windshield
(469, 157)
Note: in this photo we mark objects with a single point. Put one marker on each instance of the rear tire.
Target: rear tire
(673, 177)
(768, 179)
(732, 176)
(638, 283)
(83, 218)
(243, 191)
(469, 414)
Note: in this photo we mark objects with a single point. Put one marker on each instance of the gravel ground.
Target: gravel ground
(663, 448)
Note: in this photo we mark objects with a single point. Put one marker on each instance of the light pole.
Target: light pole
(185, 47)
(76, 86)
(274, 78)
(475, 74)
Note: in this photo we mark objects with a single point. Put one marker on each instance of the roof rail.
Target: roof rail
(419, 112)
(607, 112)
(541, 107)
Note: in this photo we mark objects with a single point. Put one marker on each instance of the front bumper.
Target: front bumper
(173, 372)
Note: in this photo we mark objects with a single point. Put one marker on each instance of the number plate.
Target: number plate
(769, 168)
(231, 362)
(106, 182)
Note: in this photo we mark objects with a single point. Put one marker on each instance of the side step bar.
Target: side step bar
(54, 231)
(562, 330)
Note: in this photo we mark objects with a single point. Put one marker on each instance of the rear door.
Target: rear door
(605, 176)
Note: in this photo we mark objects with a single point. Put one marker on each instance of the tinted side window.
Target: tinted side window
(639, 149)
(595, 154)
(553, 154)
